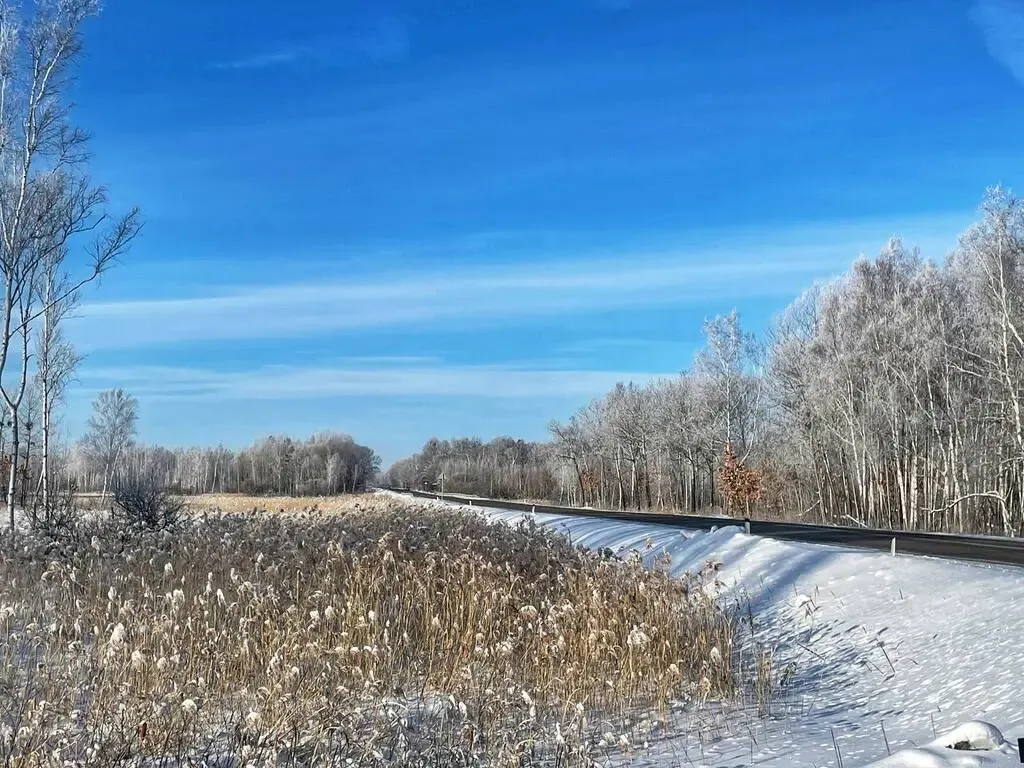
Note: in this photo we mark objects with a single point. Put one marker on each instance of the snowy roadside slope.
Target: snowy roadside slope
(918, 644)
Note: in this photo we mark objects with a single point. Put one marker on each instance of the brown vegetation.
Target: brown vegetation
(741, 486)
(368, 630)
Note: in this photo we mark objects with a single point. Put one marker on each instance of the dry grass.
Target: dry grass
(229, 502)
(366, 631)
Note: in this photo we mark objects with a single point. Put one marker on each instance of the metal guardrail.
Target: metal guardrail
(986, 549)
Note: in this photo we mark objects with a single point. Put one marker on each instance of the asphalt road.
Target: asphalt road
(986, 549)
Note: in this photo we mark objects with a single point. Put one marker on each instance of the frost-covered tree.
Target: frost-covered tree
(112, 429)
(891, 395)
(52, 215)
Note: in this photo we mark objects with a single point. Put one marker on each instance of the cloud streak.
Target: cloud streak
(508, 294)
(281, 57)
(162, 383)
(1002, 24)
(383, 40)
(744, 267)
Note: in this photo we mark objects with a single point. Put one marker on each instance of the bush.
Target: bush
(142, 505)
(57, 518)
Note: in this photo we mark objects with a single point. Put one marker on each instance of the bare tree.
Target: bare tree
(56, 364)
(112, 428)
(727, 363)
(48, 205)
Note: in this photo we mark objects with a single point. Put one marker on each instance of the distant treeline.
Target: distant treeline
(892, 396)
(325, 464)
(504, 468)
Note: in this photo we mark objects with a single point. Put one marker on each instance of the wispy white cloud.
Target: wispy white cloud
(727, 275)
(279, 57)
(163, 383)
(605, 345)
(1002, 24)
(305, 309)
(383, 39)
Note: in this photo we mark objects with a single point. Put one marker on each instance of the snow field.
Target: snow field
(903, 655)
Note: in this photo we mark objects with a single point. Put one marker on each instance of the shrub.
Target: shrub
(142, 505)
(56, 518)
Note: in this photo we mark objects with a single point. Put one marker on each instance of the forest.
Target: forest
(322, 465)
(891, 396)
(327, 463)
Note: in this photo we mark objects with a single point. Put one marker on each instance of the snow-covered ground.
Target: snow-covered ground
(890, 654)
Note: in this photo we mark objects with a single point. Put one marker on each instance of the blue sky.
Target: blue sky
(411, 218)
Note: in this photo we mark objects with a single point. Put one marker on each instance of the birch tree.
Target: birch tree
(56, 363)
(727, 362)
(49, 207)
(112, 428)
(990, 262)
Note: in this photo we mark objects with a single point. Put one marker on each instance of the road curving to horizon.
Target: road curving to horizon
(996, 550)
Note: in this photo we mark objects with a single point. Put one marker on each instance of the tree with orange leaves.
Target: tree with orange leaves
(740, 485)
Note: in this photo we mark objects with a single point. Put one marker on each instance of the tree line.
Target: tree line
(891, 396)
(504, 468)
(108, 456)
(323, 465)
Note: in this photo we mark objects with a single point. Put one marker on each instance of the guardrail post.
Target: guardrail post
(471, 502)
(894, 546)
(746, 525)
